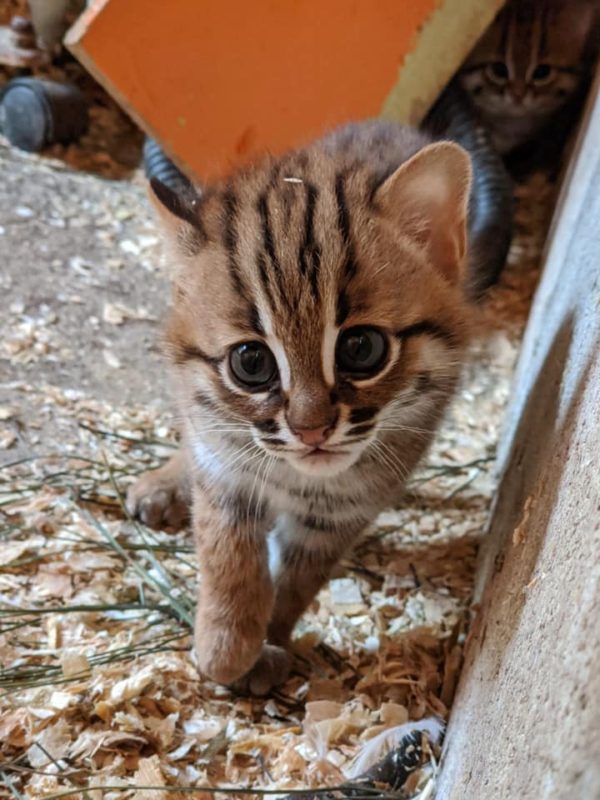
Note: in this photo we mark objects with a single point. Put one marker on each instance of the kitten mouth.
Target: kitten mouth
(323, 461)
(323, 453)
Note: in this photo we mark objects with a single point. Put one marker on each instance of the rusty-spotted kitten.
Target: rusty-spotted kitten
(319, 317)
(528, 73)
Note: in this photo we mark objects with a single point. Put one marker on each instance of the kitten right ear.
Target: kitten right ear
(427, 198)
(174, 207)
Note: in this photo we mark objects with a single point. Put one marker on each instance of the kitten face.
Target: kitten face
(320, 409)
(500, 89)
(531, 61)
(318, 308)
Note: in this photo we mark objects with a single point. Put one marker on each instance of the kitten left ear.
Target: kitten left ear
(427, 197)
(175, 207)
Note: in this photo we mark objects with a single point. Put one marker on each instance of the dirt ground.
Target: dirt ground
(75, 237)
(74, 249)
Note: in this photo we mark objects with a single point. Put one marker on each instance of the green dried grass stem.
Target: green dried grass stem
(181, 610)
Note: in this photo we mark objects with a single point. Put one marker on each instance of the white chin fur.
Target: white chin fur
(322, 467)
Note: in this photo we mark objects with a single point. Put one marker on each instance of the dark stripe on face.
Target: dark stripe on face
(350, 265)
(184, 352)
(230, 238)
(230, 242)
(261, 263)
(272, 440)
(358, 415)
(207, 402)
(346, 391)
(342, 309)
(310, 252)
(359, 430)
(424, 382)
(427, 328)
(254, 320)
(269, 243)
(267, 426)
(343, 213)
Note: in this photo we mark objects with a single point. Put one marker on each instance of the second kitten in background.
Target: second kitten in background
(528, 74)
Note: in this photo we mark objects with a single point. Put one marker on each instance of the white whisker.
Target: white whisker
(403, 429)
(263, 462)
(269, 467)
(402, 468)
(389, 458)
(227, 467)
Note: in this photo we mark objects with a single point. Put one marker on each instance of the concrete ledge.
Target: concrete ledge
(526, 720)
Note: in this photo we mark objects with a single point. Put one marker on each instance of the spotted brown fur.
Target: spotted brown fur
(341, 234)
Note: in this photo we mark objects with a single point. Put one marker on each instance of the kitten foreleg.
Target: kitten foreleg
(235, 590)
(305, 562)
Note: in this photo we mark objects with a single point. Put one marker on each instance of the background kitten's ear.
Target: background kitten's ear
(174, 207)
(427, 198)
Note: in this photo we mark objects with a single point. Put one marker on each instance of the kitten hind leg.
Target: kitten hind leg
(163, 496)
(305, 563)
(271, 669)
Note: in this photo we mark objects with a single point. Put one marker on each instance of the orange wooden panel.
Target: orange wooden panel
(217, 82)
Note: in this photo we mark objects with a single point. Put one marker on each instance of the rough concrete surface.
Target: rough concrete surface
(525, 722)
(82, 295)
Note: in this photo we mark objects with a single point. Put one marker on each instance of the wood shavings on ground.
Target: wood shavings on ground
(98, 685)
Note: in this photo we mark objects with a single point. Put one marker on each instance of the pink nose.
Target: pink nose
(313, 436)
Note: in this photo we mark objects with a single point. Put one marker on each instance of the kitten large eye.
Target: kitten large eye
(253, 364)
(543, 73)
(497, 72)
(361, 351)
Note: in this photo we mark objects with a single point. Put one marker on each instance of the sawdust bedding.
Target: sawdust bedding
(99, 695)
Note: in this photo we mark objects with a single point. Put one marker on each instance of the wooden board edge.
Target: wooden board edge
(422, 75)
(73, 43)
(83, 22)
(441, 46)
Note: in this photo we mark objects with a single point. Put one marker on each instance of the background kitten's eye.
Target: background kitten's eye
(497, 72)
(361, 351)
(253, 364)
(542, 73)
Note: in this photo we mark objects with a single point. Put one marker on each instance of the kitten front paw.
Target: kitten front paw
(271, 670)
(222, 654)
(160, 498)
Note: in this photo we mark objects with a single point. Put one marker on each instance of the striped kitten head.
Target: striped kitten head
(532, 59)
(318, 298)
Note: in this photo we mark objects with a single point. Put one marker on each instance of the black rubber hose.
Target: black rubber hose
(158, 165)
(491, 204)
(36, 112)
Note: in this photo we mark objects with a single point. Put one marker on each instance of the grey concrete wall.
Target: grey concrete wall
(526, 720)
